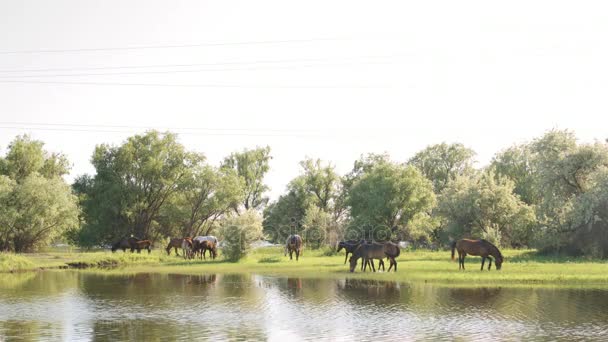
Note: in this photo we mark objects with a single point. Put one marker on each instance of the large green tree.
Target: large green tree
(310, 207)
(132, 183)
(251, 166)
(206, 195)
(386, 198)
(36, 205)
(443, 162)
(484, 205)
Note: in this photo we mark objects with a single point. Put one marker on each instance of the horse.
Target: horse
(143, 244)
(187, 248)
(293, 244)
(174, 243)
(375, 251)
(202, 244)
(478, 248)
(349, 246)
(125, 243)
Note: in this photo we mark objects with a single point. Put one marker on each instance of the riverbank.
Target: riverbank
(521, 267)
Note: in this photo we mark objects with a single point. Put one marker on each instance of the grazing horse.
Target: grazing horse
(202, 244)
(349, 246)
(124, 243)
(293, 244)
(480, 248)
(187, 248)
(371, 251)
(143, 244)
(174, 243)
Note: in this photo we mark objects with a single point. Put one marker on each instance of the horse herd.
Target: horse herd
(191, 247)
(365, 250)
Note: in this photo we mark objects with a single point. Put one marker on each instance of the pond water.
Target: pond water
(72, 306)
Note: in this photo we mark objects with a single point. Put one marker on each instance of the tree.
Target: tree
(239, 232)
(484, 206)
(132, 183)
(567, 177)
(518, 164)
(251, 166)
(385, 198)
(36, 205)
(442, 163)
(206, 195)
(311, 195)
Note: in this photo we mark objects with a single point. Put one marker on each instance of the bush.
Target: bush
(239, 232)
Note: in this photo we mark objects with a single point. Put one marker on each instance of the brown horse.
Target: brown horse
(187, 249)
(202, 244)
(125, 243)
(480, 248)
(174, 243)
(293, 244)
(371, 251)
(143, 244)
(349, 246)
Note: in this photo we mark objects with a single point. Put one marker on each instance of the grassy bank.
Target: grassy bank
(521, 267)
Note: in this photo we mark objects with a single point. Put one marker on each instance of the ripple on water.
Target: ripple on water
(239, 307)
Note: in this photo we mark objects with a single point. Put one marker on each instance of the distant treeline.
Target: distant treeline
(550, 193)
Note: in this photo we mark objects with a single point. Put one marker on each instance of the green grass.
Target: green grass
(12, 262)
(521, 267)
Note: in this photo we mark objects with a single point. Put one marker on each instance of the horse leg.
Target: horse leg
(176, 251)
(290, 254)
(463, 256)
(483, 261)
(374, 267)
(149, 250)
(297, 254)
(346, 257)
(490, 263)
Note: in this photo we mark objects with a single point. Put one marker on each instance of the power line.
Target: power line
(217, 86)
(277, 61)
(269, 67)
(262, 42)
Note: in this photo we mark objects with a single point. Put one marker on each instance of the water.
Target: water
(73, 306)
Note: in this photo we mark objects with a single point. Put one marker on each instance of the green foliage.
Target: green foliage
(386, 198)
(36, 205)
(131, 184)
(517, 163)
(484, 206)
(442, 163)
(206, 195)
(312, 206)
(239, 232)
(251, 166)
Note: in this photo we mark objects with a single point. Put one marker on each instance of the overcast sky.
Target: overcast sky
(326, 79)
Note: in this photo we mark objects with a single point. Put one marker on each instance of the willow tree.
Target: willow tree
(132, 183)
(36, 205)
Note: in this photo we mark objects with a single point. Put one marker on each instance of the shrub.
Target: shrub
(239, 232)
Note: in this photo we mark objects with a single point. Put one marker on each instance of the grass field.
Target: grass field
(521, 267)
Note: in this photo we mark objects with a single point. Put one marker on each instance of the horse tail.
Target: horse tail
(453, 248)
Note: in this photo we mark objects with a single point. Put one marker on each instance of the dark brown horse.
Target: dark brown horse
(125, 243)
(202, 244)
(293, 244)
(143, 244)
(349, 246)
(480, 248)
(174, 243)
(370, 251)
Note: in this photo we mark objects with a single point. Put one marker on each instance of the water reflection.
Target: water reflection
(84, 306)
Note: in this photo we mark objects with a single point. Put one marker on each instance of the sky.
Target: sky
(321, 79)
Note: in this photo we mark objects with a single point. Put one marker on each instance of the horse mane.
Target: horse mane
(493, 247)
